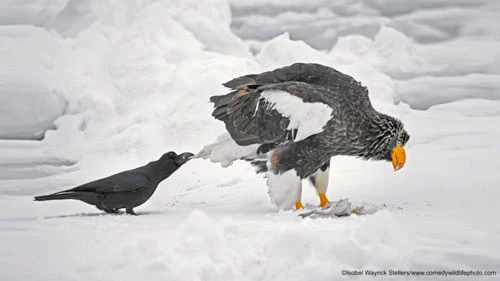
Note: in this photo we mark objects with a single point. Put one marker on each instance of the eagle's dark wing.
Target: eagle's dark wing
(250, 120)
(127, 181)
(310, 73)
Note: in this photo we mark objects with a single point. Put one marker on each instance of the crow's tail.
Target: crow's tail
(87, 197)
(57, 196)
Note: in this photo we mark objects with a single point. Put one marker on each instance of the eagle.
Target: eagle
(289, 122)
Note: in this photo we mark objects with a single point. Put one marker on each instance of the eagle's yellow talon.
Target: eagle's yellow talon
(398, 157)
(298, 205)
(323, 200)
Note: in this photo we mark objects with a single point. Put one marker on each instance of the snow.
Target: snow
(29, 104)
(282, 51)
(90, 88)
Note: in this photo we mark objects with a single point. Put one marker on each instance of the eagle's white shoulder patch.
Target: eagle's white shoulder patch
(308, 118)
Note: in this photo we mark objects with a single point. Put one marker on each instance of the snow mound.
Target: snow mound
(281, 51)
(321, 23)
(424, 92)
(398, 55)
(30, 98)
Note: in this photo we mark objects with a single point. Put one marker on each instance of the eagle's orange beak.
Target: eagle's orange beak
(398, 156)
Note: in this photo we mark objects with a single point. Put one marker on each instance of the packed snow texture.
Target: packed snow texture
(92, 87)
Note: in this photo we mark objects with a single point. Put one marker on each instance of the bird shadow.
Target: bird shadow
(120, 213)
(81, 215)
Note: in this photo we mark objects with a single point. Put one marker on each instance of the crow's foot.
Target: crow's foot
(130, 212)
(111, 211)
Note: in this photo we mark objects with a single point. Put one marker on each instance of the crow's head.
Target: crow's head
(182, 158)
(172, 158)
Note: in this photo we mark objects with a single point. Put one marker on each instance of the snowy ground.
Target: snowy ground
(89, 88)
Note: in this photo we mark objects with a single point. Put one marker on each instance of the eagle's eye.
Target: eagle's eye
(404, 137)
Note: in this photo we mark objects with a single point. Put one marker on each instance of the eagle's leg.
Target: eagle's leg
(285, 190)
(298, 205)
(320, 182)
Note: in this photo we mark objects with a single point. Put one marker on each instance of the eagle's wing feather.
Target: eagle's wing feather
(310, 73)
(342, 89)
(273, 113)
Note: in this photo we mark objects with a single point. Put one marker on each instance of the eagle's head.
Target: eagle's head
(395, 150)
(389, 142)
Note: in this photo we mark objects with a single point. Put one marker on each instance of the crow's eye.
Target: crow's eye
(170, 155)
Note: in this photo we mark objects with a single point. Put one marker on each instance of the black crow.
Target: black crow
(127, 189)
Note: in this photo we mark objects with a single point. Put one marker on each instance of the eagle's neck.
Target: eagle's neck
(372, 139)
(381, 131)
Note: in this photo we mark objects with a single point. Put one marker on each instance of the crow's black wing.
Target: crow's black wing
(127, 181)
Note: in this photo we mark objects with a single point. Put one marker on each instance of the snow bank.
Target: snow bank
(399, 56)
(321, 23)
(32, 12)
(281, 51)
(28, 109)
(429, 74)
(424, 92)
(30, 96)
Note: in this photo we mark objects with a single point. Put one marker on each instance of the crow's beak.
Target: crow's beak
(183, 158)
(398, 157)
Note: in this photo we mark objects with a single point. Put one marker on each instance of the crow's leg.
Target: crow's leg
(111, 211)
(130, 211)
(108, 210)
